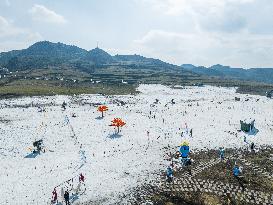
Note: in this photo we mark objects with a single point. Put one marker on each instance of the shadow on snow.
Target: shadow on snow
(32, 155)
(114, 136)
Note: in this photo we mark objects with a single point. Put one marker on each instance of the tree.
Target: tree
(102, 108)
(117, 122)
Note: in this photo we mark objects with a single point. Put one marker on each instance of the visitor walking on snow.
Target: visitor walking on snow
(221, 153)
(54, 196)
(81, 178)
(169, 174)
(245, 139)
(66, 197)
(66, 120)
(252, 146)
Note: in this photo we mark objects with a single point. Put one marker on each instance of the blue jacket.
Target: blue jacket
(169, 172)
(222, 152)
(236, 171)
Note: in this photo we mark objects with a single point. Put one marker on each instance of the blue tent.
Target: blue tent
(184, 151)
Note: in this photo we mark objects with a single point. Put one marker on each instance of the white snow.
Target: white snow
(112, 166)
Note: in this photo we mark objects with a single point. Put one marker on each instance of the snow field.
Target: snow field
(116, 164)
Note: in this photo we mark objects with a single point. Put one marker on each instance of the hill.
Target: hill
(264, 75)
(47, 68)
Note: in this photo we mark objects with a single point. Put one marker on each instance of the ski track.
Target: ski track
(115, 166)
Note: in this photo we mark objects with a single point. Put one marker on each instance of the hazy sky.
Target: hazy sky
(201, 32)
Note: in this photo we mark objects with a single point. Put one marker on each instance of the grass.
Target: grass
(16, 90)
(47, 81)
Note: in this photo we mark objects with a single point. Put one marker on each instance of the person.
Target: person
(63, 105)
(40, 109)
(62, 194)
(169, 174)
(252, 146)
(66, 120)
(66, 197)
(237, 172)
(191, 132)
(54, 196)
(81, 178)
(187, 164)
(221, 153)
(38, 144)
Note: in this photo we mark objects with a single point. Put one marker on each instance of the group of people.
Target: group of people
(186, 161)
(55, 197)
(237, 170)
(64, 195)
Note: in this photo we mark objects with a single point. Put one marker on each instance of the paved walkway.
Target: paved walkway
(191, 184)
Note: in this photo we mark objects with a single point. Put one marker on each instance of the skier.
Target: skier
(221, 153)
(191, 132)
(66, 197)
(169, 174)
(54, 197)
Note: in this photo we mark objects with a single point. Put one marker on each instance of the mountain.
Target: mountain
(46, 56)
(58, 64)
(99, 56)
(41, 55)
(188, 66)
(264, 75)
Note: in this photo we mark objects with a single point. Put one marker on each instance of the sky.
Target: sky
(238, 33)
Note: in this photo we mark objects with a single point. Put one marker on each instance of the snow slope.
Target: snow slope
(116, 164)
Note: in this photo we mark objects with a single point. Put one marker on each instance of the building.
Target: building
(247, 125)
